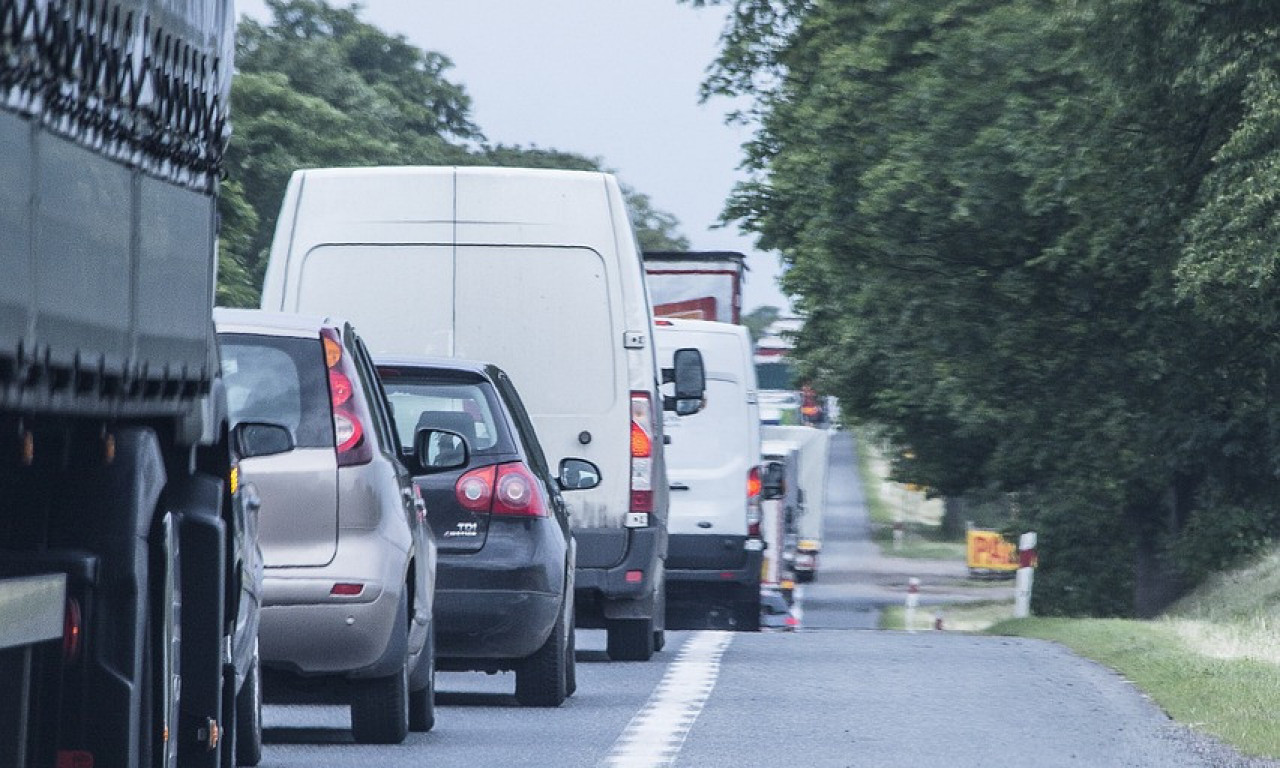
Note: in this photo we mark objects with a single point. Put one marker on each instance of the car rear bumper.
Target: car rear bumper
(493, 624)
(339, 637)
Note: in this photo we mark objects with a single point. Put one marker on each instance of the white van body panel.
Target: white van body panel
(537, 271)
(712, 451)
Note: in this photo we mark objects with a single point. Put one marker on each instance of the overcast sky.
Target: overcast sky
(614, 79)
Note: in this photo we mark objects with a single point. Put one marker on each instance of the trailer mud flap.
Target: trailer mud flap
(195, 502)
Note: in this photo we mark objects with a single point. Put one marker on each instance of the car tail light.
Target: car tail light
(350, 414)
(346, 589)
(72, 631)
(502, 489)
(474, 490)
(754, 484)
(517, 492)
(641, 452)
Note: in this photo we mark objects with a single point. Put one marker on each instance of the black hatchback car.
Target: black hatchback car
(504, 579)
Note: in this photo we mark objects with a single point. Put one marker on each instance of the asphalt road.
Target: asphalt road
(829, 695)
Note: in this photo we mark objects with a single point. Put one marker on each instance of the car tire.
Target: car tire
(380, 709)
(659, 639)
(249, 716)
(629, 639)
(422, 704)
(542, 679)
(804, 577)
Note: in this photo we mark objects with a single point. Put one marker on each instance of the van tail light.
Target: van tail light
(502, 489)
(350, 412)
(641, 452)
(754, 485)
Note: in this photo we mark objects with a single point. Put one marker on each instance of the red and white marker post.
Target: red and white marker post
(913, 602)
(1025, 576)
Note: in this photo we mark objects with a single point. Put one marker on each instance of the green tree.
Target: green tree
(759, 319)
(319, 87)
(1005, 222)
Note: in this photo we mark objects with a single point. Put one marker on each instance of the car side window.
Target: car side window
(528, 435)
(377, 399)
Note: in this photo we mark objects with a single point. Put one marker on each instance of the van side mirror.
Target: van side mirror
(260, 438)
(578, 475)
(773, 481)
(439, 450)
(690, 381)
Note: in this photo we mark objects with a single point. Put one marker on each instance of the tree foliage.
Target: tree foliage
(319, 87)
(1036, 240)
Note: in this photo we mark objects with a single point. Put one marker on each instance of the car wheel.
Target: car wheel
(249, 716)
(380, 709)
(804, 577)
(659, 639)
(422, 704)
(630, 639)
(542, 679)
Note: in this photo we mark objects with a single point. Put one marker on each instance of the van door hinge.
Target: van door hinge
(633, 339)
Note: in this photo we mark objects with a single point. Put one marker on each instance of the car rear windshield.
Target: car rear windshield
(280, 380)
(459, 407)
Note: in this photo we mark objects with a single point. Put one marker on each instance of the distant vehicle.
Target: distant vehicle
(782, 506)
(713, 463)
(806, 562)
(504, 584)
(775, 612)
(122, 636)
(537, 271)
(780, 408)
(814, 449)
(696, 285)
(350, 568)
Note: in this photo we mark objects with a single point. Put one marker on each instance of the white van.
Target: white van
(713, 464)
(539, 272)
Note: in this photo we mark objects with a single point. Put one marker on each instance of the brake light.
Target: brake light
(72, 631)
(350, 414)
(74, 758)
(754, 485)
(503, 489)
(517, 492)
(641, 452)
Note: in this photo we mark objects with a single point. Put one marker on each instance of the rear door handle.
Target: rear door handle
(679, 487)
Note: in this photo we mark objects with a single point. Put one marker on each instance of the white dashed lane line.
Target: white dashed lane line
(656, 733)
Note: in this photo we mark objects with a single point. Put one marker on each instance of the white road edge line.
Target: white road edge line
(657, 732)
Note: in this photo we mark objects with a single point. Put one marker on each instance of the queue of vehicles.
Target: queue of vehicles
(320, 500)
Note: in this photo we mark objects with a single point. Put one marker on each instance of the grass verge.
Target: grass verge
(1231, 698)
(877, 510)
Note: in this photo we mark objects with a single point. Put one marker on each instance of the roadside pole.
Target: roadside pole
(913, 602)
(1025, 575)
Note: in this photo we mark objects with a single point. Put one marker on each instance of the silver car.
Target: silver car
(350, 567)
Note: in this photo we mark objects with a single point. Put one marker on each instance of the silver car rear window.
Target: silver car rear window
(281, 380)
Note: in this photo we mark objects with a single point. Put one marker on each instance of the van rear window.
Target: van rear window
(280, 380)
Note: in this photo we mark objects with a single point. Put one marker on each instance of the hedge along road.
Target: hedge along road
(819, 697)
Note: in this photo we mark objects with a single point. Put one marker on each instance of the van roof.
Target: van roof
(445, 170)
(706, 326)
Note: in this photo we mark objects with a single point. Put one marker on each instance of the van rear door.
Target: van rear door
(549, 317)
